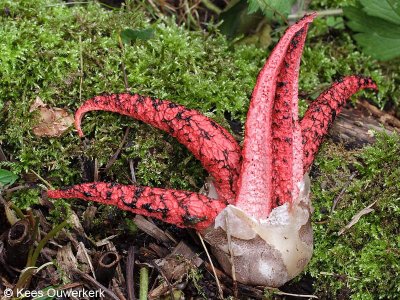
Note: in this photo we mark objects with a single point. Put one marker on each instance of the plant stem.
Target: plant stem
(211, 6)
(43, 242)
(144, 283)
(322, 13)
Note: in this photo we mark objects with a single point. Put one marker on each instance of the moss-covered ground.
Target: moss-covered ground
(65, 54)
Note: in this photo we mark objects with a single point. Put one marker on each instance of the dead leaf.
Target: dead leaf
(357, 217)
(53, 121)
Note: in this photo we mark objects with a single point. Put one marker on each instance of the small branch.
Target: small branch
(116, 154)
(42, 179)
(96, 283)
(221, 294)
(339, 197)
(2, 155)
(130, 268)
(211, 6)
(121, 45)
(81, 72)
(233, 270)
(69, 3)
(278, 292)
(322, 13)
(17, 188)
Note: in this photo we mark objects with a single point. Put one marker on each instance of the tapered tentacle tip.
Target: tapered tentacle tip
(365, 82)
(308, 17)
(78, 118)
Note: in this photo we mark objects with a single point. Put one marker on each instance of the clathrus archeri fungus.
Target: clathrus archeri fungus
(260, 193)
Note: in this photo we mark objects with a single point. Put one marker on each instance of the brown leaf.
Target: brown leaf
(357, 217)
(53, 121)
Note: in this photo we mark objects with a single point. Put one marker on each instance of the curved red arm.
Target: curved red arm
(272, 150)
(181, 208)
(322, 112)
(213, 145)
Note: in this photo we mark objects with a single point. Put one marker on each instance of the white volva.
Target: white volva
(266, 252)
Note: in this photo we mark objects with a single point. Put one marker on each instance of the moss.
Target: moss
(362, 262)
(328, 60)
(44, 43)
(331, 53)
(41, 52)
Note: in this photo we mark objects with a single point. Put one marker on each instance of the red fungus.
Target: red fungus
(323, 111)
(269, 157)
(212, 144)
(182, 208)
(268, 216)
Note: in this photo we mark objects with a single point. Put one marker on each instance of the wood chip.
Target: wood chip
(152, 230)
(179, 262)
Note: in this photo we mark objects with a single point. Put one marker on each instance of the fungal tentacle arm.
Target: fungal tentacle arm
(182, 208)
(272, 151)
(209, 142)
(268, 216)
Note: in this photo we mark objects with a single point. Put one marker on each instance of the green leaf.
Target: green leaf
(378, 36)
(131, 35)
(7, 178)
(238, 20)
(388, 10)
(281, 7)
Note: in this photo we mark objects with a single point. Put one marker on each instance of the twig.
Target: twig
(340, 195)
(130, 268)
(81, 73)
(221, 294)
(83, 248)
(96, 170)
(121, 45)
(233, 270)
(171, 291)
(211, 6)
(96, 283)
(113, 158)
(3, 157)
(117, 290)
(278, 292)
(69, 3)
(144, 283)
(42, 179)
(322, 13)
(17, 188)
(11, 205)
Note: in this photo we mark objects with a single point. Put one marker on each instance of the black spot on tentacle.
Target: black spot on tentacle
(147, 206)
(189, 220)
(178, 115)
(138, 192)
(280, 84)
